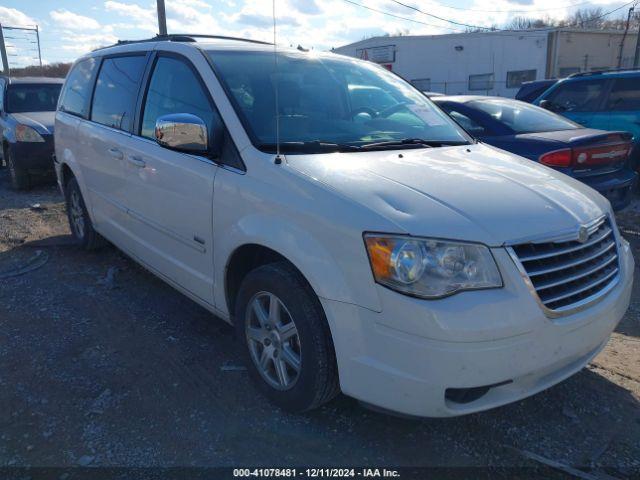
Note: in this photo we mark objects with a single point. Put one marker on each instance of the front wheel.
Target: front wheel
(20, 179)
(285, 338)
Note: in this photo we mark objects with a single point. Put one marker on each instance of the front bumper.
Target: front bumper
(36, 157)
(617, 186)
(408, 356)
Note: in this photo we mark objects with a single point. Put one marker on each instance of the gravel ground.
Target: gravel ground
(102, 364)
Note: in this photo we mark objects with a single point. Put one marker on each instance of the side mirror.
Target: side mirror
(547, 105)
(183, 132)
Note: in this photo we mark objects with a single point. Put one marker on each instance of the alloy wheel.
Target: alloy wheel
(273, 341)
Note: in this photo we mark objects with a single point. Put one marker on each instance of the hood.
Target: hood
(41, 122)
(578, 136)
(473, 193)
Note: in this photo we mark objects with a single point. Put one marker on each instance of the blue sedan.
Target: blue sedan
(596, 157)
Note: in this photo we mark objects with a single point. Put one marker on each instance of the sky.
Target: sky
(69, 28)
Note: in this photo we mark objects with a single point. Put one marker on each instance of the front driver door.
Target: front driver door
(169, 193)
(581, 101)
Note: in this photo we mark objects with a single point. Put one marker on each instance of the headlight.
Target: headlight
(27, 134)
(430, 268)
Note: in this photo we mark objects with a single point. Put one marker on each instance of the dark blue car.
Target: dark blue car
(596, 157)
(27, 113)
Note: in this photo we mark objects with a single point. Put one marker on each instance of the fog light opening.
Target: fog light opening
(468, 395)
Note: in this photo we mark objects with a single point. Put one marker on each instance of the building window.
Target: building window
(422, 84)
(566, 71)
(516, 78)
(481, 82)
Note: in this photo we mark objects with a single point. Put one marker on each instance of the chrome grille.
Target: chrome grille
(565, 274)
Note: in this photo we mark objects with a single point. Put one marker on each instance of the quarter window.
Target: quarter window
(582, 96)
(481, 82)
(518, 77)
(625, 95)
(77, 88)
(174, 88)
(116, 91)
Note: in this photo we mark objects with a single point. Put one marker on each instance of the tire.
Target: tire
(20, 179)
(79, 221)
(316, 380)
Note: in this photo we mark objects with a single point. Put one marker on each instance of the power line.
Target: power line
(401, 18)
(502, 30)
(514, 11)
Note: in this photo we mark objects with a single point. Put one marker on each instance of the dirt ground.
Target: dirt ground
(102, 364)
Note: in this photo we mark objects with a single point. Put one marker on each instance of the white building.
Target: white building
(494, 63)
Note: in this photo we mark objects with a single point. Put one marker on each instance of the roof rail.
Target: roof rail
(597, 72)
(184, 37)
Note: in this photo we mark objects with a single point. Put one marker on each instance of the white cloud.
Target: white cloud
(144, 18)
(66, 19)
(16, 18)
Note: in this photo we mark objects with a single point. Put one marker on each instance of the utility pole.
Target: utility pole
(38, 39)
(3, 53)
(624, 36)
(162, 18)
(636, 59)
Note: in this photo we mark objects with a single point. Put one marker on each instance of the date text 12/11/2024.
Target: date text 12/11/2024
(315, 473)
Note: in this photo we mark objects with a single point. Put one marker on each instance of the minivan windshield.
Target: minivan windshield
(522, 117)
(27, 97)
(326, 102)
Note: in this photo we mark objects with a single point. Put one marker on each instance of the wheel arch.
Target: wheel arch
(243, 260)
(334, 270)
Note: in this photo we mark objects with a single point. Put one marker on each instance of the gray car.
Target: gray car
(27, 112)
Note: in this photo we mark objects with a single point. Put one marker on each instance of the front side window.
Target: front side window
(522, 117)
(581, 96)
(481, 82)
(625, 95)
(32, 97)
(77, 88)
(327, 99)
(174, 88)
(114, 100)
(518, 77)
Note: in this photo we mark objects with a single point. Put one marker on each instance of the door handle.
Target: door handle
(136, 161)
(116, 153)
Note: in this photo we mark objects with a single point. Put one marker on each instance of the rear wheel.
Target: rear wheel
(19, 177)
(79, 222)
(285, 337)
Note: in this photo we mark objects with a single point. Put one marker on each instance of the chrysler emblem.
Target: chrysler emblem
(583, 234)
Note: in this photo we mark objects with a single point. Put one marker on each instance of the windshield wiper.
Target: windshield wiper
(410, 143)
(315, 146)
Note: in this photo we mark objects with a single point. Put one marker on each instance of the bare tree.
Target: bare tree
(50, 70)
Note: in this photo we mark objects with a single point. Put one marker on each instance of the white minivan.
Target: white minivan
(356, 237)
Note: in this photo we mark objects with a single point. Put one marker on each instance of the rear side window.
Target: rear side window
(625, 95)
(77, 88)
(174, 88)
(471, 126)
(114, 99)
(578, 96)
